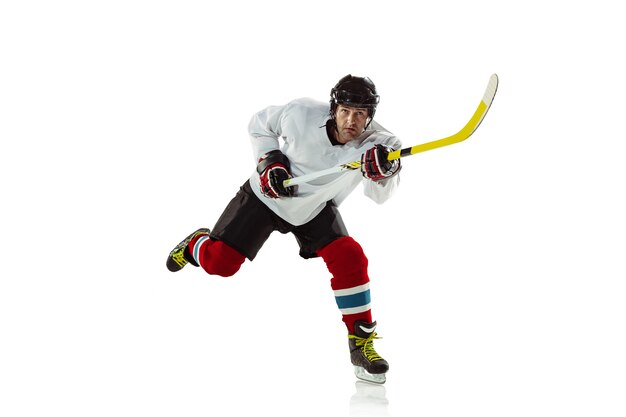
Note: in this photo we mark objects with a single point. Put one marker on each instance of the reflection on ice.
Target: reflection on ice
(369, 400)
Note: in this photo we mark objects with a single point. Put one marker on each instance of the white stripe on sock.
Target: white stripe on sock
(353, 290)
(196, 248)
(355, 310)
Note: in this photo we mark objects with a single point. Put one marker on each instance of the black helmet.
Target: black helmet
(354, 92)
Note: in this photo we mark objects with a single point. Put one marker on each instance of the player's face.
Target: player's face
(351, 122)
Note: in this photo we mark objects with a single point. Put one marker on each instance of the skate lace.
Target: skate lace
(179, 258)
(367, 346)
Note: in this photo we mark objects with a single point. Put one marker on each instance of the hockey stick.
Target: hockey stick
(460, 136)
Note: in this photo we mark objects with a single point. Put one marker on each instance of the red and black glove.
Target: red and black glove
(274, 168)
(376, 167)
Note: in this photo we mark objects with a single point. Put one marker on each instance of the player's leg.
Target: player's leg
(240, 232)
(347, 263)
(327, 237)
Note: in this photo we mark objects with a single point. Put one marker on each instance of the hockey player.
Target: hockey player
(298, 138)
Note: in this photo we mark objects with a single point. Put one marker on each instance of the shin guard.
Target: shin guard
(347, 263)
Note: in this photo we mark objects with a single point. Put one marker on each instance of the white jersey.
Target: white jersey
(301, 127)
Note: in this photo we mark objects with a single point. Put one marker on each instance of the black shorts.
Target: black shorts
(246, 223)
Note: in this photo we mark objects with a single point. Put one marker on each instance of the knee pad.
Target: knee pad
(345, 258)
(222, 259)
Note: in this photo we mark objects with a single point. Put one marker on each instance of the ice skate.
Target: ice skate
(368, 365)
(180, 256)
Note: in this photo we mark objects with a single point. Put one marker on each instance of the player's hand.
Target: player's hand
(376, 167)
(273, 169)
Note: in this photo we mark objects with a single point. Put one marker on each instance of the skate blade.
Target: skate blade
(362, 374)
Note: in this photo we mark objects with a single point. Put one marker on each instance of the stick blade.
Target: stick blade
(490, 93)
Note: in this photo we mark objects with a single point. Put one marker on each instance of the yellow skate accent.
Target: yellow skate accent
(367, 346)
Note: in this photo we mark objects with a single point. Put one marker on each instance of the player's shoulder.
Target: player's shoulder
(378, 128)
(306, 110)
(376, 133)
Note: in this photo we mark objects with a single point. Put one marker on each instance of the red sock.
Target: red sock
(347, 263)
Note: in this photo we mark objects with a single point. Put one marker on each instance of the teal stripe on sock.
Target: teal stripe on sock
(354, 300)
(196, 248)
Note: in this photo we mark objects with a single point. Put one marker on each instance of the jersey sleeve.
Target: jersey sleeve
(265, 130)
(381, 191)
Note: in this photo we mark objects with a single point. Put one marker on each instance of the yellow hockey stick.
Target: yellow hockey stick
(460, 136)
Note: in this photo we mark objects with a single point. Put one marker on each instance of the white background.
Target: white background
(497, 269)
